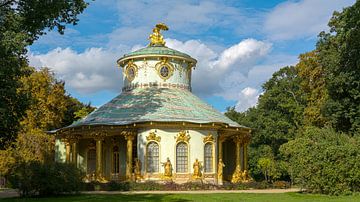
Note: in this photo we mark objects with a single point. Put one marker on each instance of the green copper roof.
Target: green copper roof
(154, 104)
(157, 50)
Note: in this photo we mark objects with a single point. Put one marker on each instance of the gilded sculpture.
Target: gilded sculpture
(137, 168)
(168, 168)
(221, 166)
(237, 176)
(197, 169)
(153, 137)
(182, 136)
(156, 39)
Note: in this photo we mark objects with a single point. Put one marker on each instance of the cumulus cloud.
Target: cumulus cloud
(301, 19)
(233, 73)
(247, 98)
(87, 72)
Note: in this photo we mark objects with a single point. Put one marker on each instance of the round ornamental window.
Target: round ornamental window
(130, 73)
(164, 71)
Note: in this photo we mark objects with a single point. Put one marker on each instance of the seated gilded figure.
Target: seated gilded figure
(156, 39)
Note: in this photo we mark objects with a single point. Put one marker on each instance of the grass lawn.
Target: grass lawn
(288, 197)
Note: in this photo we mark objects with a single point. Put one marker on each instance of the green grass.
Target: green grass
(288, 197)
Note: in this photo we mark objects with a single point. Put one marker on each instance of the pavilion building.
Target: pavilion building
(156, 129)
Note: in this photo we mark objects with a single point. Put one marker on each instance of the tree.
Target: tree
(21, 23)
(48, 100)
(324, 161)
(312, 76)
(275, 120)
(340, 55)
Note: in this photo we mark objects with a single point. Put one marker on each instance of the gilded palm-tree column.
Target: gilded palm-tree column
(220, 160)
(74, 152)
(236, 177)
(67, 147)
(129, 137)
(245, 156)
(98, 170)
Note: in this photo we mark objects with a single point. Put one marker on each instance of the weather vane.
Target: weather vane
(156, 39)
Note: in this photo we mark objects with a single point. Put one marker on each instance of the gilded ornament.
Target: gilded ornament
(168, 169)
(156, 39)
(197, 169)
(164, 69)
(137, 169)
(182, 137)
(131, 71)
(153, 137)
(221, 166)
(209, 138)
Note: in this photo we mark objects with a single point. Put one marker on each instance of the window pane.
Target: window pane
(181, 157)
(116, 160)
(208, 157)
(152, 152)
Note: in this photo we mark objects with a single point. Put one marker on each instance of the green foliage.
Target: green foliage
(35, 178)
(84, 111)
(47, 100)
(339, 54)
(324, 161)
(313, 85)
(274, 121)
(21, 23)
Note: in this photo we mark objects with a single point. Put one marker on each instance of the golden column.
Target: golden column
(220, 165)
(245, 156)
(67, 147)
(74, 152)
(236, 177)
(129, 136)
(238, 145)
(98, 170)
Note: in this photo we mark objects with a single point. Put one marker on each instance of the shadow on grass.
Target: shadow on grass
(103, 197)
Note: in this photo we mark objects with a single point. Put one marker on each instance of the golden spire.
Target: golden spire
(156, 39)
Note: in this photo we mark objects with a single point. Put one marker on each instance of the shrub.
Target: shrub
(324, 161)
(35, 178)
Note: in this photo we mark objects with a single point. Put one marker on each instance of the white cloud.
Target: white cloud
(87, 72)
(248, 97)
(221, 74)
(301, 19)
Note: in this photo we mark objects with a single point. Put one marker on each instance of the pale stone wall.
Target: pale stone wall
(60, 151)
(167, 147)
(147, 73)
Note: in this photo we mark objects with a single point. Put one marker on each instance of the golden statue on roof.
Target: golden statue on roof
(156, 39)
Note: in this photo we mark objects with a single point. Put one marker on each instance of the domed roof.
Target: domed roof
(157, 105)
(157, 51)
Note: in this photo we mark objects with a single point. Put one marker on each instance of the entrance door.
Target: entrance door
(91, 161)
(229, 158)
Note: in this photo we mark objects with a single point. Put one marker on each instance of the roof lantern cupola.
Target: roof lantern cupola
(157, 65)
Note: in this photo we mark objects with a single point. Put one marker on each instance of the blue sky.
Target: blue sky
(238, 44)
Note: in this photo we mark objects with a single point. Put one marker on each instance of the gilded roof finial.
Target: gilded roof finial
(156, 39)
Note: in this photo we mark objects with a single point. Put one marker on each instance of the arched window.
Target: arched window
(208, 157)
(91, 161)
(182, 157)
(115, 161)
(152, 157)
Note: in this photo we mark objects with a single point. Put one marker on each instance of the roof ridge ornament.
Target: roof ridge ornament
(156, 39)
